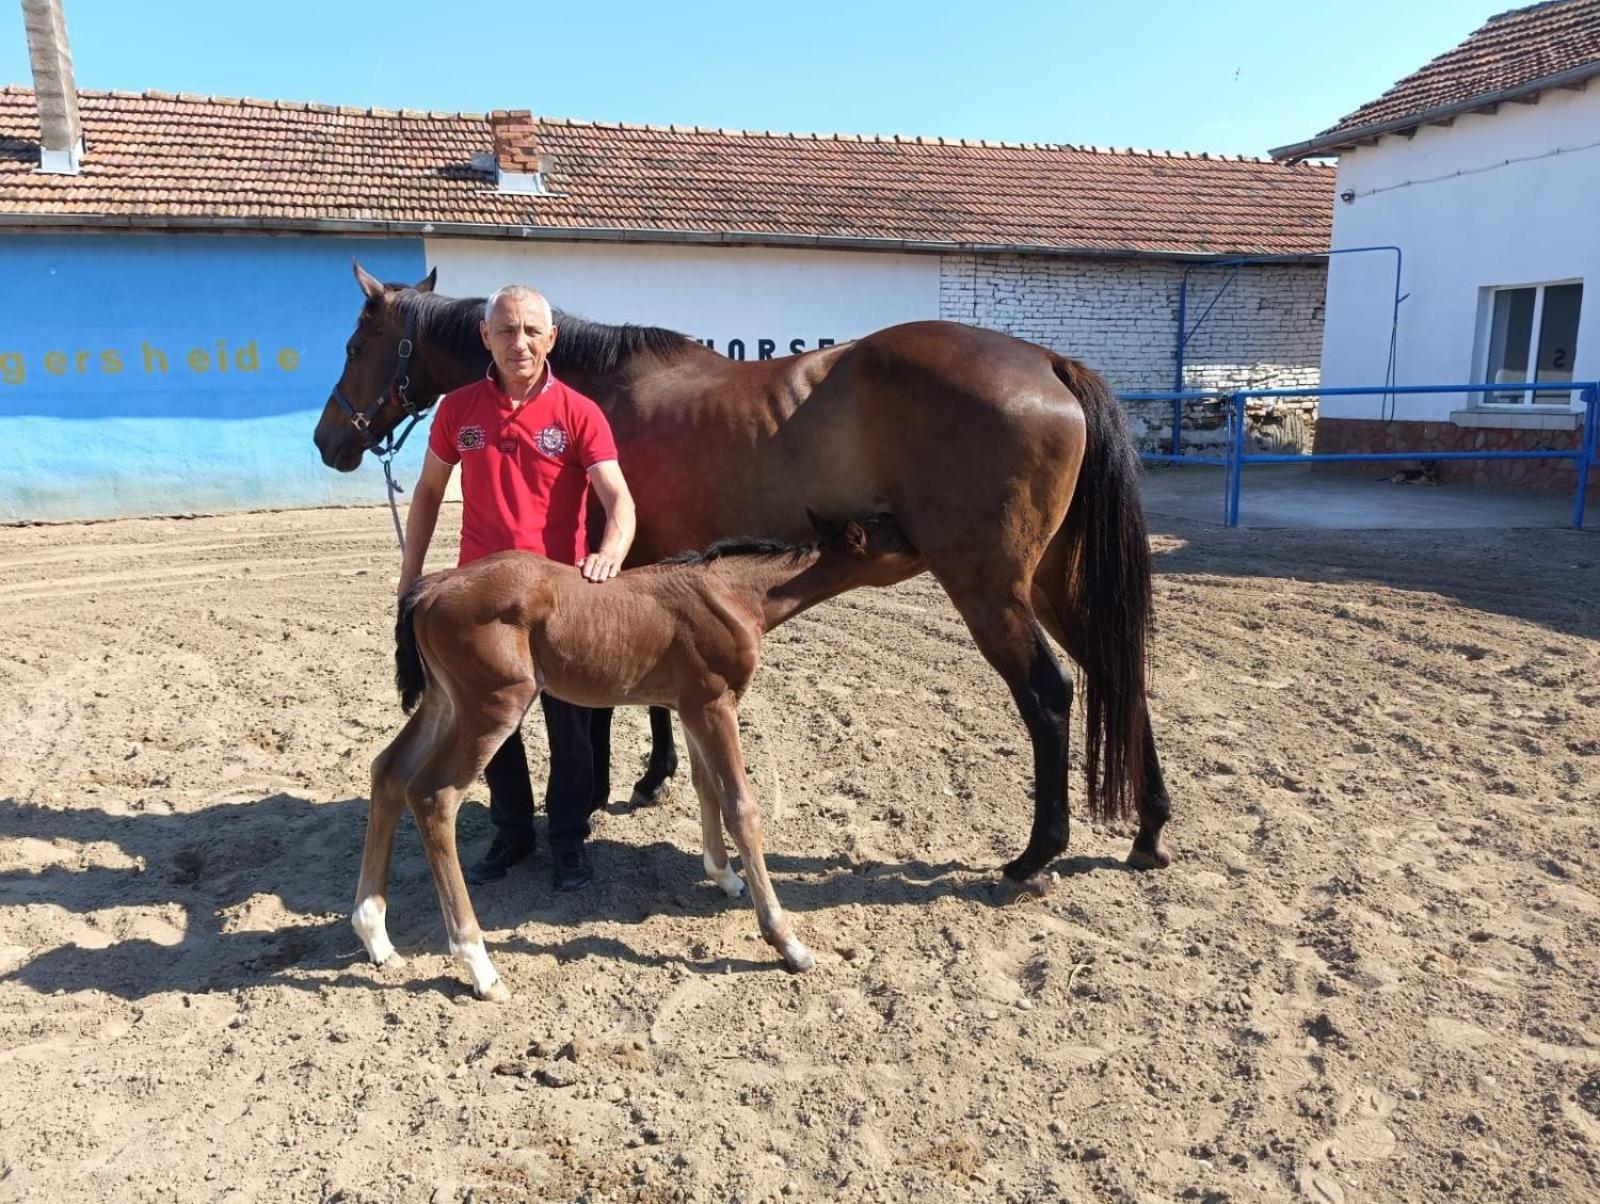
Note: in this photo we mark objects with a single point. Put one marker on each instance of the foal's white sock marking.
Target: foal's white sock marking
(800, 958)
(732, 885)
(475, 958)
(369, 926)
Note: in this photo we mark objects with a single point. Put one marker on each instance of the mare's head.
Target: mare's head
(372, 378)
(876, 548)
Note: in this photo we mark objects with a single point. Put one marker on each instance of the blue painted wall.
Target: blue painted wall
(174, 374)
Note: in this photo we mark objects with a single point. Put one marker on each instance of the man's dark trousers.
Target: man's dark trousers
(568, 795)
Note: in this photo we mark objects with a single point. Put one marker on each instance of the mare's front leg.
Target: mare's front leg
(714, 734)
(656, 785)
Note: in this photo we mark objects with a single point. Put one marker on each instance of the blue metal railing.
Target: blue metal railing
(1584, 456)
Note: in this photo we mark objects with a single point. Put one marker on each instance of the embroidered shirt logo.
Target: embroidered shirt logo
(552, 441)
(470, 438)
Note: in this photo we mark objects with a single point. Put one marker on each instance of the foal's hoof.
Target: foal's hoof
(651, 796)
(495, 992)
(1146, 859)
(391, 963)
(1008, 890)
(727, 881)
(797, 957)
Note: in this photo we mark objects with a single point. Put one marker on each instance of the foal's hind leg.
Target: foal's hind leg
(714, 744)
(390, 771)
(434, 794)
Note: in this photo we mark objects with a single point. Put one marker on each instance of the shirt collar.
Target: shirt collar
(505, 398)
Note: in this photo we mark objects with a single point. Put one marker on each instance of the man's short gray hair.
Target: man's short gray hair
(516, 292)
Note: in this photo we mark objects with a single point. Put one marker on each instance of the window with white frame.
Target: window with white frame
(1534, 325)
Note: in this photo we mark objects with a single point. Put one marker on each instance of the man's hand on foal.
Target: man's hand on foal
(597, 568)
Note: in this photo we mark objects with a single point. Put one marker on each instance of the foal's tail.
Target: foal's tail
(1111, 586)
(410, 675)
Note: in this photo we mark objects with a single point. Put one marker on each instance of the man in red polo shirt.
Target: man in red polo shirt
(529, 448)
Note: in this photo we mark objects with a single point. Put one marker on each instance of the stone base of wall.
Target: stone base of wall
(1542, 476)
(1271, 425)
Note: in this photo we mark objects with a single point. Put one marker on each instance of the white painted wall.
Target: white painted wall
(1120, 316)
(1496, 224)
(722, 294)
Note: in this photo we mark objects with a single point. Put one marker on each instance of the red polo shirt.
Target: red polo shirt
(524, 466)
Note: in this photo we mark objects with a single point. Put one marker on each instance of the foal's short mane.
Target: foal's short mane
(739, 545)
(582, 346)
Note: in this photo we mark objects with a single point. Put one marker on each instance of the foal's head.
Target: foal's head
(875, 547)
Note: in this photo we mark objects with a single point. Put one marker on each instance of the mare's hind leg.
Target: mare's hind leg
(1052, 603)
(1010, 638)
(656, 785)
(1155, 808)
(714, 742)
(434, 794)
(715, 852)
(390, 772)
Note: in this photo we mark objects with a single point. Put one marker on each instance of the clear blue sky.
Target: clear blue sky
(1233, 76)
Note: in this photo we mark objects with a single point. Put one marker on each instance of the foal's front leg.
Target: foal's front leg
(714, 737)
(715, 852)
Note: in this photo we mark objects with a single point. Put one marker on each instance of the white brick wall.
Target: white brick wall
(1120, 317)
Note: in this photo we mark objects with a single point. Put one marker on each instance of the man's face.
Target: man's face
(519, 335)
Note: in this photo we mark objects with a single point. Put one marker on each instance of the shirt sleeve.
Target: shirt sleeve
(592, 441)
(442, 433)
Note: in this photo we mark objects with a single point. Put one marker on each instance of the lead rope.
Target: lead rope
(387, 451)
(395, 488)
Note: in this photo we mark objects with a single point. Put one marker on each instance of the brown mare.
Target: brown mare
(1009, 468)
(477, 644)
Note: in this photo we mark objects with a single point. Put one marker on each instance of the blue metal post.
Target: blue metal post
(1235, 402)
(1586, 451)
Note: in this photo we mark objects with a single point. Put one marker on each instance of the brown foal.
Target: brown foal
(477, 644)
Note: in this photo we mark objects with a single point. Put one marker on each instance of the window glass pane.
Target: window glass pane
(1558, 337)
(1509, 335)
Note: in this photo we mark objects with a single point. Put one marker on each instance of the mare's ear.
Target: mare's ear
(855, 538)
(425, 285)
(821, 525)
(370, 285)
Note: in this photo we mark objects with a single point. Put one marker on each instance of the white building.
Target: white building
(1483, 167)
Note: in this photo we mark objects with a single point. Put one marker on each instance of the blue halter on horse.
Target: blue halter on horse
(389, 447)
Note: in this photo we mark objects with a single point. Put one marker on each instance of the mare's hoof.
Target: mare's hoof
(391, 963)
(1143, 859)
(496, 992)
(1008, 890)
(653, 796)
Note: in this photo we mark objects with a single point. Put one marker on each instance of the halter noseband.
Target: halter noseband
(361, 420)
(390, 447)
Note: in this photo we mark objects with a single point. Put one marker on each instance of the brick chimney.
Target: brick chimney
(54, 91)
(519, 167)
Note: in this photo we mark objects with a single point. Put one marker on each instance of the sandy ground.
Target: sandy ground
(1371, 974)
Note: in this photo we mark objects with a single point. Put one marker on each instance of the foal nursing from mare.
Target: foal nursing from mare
(478, 643)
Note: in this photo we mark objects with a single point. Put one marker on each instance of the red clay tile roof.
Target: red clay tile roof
(161, 160)
(1516, 54)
